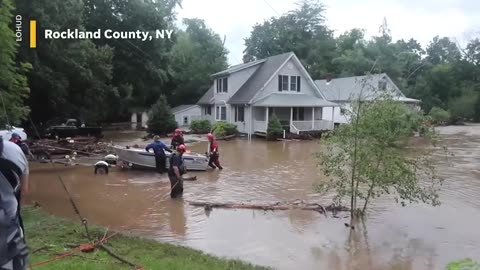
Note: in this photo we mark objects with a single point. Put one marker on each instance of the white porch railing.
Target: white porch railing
(202, 117)
(317, 125)
(293, 129)
(260, 126)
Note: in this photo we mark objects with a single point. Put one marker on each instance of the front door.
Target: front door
(298, 114)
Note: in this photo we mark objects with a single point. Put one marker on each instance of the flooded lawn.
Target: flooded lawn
(394, 237)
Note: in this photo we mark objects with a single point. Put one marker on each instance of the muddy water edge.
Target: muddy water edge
(393, 237)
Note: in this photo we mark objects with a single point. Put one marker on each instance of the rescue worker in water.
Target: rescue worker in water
(175, 172)
(160, 157)
(177, 139)
(213, 153)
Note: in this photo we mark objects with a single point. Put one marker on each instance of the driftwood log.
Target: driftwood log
(298, 204)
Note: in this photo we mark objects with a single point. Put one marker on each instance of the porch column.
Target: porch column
(291, 114)
(333, 117)
(266, 118)
(313, 118)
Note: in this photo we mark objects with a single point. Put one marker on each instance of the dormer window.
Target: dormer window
(382, 84)
(222, 85)
(288, 83)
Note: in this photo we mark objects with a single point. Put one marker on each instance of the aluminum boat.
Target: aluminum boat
(138, 157)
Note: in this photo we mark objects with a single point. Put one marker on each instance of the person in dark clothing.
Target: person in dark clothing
(177, 139)
(213, 153)
(160, 157)
(175, 172)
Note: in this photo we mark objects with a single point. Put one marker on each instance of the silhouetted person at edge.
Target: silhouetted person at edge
(13, 184)
(160, 157)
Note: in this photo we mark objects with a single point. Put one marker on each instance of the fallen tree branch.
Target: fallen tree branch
(274, 206)
(111, 253)
(40, 249)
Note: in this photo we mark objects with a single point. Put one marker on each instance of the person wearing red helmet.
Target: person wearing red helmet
(177, 139)
(176, 170)
(213, 153)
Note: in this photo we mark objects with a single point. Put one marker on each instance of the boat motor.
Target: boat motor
(101, 167)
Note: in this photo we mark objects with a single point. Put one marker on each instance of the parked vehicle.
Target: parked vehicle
(73, 128)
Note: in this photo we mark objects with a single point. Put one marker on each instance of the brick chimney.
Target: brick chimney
(329, 78)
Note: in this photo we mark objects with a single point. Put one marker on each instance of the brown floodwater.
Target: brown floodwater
(393, 237)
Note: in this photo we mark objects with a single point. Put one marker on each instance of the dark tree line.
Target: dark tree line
(105, 80)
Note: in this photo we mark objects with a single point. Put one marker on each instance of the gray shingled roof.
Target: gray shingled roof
(207, 97)
(346, 89)
(238, 67)
(267, 68)
(295, 100)
(182, 107)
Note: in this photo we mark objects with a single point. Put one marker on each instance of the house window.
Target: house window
(295, 83)
(298, 114)
(222, 85)
(282, 83)
(221, 113)
(239, 114)
(208, 110)
(185, 120)
(382, 84)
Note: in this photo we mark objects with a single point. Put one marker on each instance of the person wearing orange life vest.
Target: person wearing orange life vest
(177, 139)
(213, 153)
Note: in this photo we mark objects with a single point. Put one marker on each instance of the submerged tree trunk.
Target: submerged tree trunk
(274, 206)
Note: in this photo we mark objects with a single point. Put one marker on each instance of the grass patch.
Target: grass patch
(52, 235)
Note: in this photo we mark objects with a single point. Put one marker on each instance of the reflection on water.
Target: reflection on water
(394, 237)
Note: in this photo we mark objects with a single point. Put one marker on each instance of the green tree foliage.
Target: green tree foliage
(108, 79)
(302, 31)
(439, 115)
(197, 53)
(70, 78)
(160, 119)
(222, 128)
(13, 81)
(200, 126)
(142, 65)
(368, 158)
(274, 129)
(465, 264)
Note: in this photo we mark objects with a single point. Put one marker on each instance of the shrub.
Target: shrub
(200, 126)
(463, 264)
(221, 129)
(161, 120)
(439, 115)
(275, 129)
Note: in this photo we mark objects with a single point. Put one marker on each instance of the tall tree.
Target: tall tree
(197, 53)
(302, 31)
(70, 78)
(140, 68)
(13, 81)
(442, 51)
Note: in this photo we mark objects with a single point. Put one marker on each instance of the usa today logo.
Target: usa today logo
(109, 34)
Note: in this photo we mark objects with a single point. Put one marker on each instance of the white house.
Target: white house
(184, 114)
(344, 90)
(247, 95)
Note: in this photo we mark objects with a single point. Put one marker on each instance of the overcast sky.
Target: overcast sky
(420, 19)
